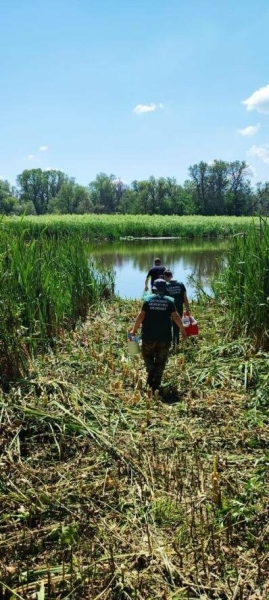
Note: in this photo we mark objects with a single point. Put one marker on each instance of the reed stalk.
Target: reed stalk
(115, 227)
(243, 284)
(47, 285)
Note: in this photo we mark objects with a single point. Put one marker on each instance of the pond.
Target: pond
(132, 259)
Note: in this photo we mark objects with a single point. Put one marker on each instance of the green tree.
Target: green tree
(39, 187)
(155, 196)
(150, 194)
(239, 197)
(103, 193)
(128, 204)
(147, 196)
(218, 185)
(261, 199)
(171, 197)
(72, 198)
(221, 188)
(8, 202)
(120, 190)
(200, 177)
(188, 194)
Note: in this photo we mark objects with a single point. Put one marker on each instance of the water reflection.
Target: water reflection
(132, 259)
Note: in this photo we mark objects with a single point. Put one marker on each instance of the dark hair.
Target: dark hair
(157, 261)
(168, 273)
(160, 286)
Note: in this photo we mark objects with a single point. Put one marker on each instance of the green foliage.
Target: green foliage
(8, 203)
(166, 512)
(46, 285)
(217, 188)
(71, 199)
(261, 204)
(69, 535)
(244, 283)
(155, 196)
(221, 188)
(14, 355)
(103, 192)
(38, 187)
(115, 227)
(108, 492)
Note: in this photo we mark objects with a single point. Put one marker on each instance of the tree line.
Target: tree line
(217, 188)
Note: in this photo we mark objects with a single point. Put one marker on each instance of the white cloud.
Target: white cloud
(259, 100)
(261, 151)
(43, 148)
(31, 156)
(2, 177)
(139, 109)
(250, 130)
(53, 169)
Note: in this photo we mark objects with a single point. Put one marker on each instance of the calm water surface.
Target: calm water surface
(132, 259)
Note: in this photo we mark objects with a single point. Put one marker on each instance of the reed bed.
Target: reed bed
(244, 284)
(47, 285)
(109, 493)
(115, 227)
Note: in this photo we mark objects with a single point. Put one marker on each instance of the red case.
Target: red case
(192, 328)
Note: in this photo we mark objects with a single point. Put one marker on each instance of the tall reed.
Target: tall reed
(115, 227)
(244, 283)
(46, 284)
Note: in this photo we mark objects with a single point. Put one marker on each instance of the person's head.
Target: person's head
(167, 274)
(159, 286)
(157, 262)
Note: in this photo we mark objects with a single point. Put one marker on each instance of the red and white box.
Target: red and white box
(190, 325)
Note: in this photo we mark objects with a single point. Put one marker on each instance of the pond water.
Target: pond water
(132, 259)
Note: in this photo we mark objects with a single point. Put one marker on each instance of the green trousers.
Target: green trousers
(155, 355)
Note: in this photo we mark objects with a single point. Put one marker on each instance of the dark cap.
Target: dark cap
(168, 273)
(160, 285)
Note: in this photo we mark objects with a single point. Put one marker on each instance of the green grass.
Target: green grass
(114, 227)
(244, 284)
(46, 285)
(108, 492)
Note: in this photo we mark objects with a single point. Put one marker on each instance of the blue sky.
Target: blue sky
(133, 87)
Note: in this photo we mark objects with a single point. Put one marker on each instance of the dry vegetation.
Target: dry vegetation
(109, 493)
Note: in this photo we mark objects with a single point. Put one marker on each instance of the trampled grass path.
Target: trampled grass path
(107, 492)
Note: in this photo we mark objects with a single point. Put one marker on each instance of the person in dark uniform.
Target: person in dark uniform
(154, 273)
(177, 290)
(155, 318)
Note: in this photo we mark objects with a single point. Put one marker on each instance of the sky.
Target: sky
(133, 88)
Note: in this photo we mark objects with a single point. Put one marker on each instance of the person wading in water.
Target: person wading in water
(154, 273)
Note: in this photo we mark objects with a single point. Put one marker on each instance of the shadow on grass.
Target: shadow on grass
(171, 395)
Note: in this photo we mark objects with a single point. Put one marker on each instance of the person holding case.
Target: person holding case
(178, 291)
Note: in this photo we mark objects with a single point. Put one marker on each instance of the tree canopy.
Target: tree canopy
(216, 188)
